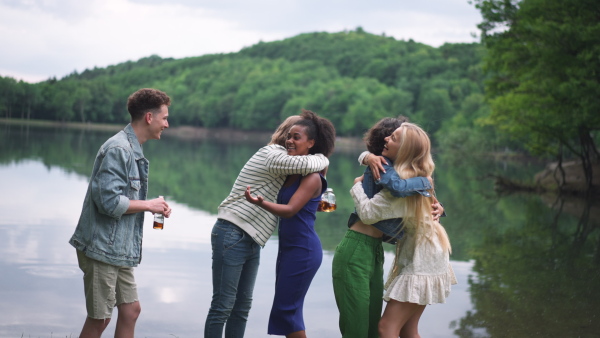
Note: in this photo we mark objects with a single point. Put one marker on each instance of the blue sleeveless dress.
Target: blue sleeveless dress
(299, 258)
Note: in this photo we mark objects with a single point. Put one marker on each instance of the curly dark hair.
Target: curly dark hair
(319, 129)
(375, 137)
(145, 100)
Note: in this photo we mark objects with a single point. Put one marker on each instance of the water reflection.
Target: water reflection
(537, 280)
(514, 256)
(42, 289)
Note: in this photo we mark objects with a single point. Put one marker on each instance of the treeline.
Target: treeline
(544, 79)
(353, 78)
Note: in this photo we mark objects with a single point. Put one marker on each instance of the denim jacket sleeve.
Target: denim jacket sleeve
(110, 184)
(403, 187)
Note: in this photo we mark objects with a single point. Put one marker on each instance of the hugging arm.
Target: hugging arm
(411, 186)
(398, 187)
(383, 169)
(374, 209)
(280, 163)
(309, 186)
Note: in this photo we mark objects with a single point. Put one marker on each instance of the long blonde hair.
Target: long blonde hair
(414, 159)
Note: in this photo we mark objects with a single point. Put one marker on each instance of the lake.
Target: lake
(527, 265)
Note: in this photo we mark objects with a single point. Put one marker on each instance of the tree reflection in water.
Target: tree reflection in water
(539, 279)
(536, 270)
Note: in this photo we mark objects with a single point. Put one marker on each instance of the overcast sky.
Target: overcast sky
(44, 38)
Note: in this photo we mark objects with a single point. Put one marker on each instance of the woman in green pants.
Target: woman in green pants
(358, 260)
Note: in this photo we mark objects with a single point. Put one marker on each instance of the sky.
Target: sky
(40, 39)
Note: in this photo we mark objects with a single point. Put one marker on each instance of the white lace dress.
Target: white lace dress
(424, 274)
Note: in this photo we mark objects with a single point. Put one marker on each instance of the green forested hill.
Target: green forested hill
(539, 91)
(352, 77)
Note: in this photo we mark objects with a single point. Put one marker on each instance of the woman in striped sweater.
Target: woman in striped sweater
(300, 252)
(243, 228)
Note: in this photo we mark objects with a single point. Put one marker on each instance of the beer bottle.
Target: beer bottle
(159, 220)
(327, 201)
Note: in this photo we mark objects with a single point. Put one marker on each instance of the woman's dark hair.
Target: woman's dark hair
(375, 137)
(319, 129)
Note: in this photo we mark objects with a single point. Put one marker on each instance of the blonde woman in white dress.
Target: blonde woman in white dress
(421, 273)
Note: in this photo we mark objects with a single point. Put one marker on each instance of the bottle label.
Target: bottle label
(159, 221)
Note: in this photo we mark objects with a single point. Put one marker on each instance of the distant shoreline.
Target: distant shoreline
(342, 144)
(347, 145)
(60, 124)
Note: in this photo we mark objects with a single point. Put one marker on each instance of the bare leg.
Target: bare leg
(396, 315)
(93, 328)
(297, 334)
(128, 315)
(411, 328)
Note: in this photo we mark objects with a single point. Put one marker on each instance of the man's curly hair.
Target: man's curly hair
(146, 100)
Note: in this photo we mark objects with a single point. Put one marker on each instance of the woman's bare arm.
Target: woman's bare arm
(309, 188)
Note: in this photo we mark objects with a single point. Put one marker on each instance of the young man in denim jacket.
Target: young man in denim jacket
(108, 237)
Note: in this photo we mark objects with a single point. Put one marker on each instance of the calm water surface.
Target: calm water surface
(524, 268)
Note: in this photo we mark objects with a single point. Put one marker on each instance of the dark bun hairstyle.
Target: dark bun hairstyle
(319, 129)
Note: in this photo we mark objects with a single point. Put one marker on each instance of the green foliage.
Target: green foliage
(352, 105)
(353, 78)
(545, 73)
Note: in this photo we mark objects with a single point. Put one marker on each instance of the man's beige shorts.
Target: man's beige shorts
(105, 286)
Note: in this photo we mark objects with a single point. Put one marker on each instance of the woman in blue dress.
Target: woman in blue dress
(300, 253)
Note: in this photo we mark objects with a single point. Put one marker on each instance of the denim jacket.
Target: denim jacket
(120, 174)
(398, 188)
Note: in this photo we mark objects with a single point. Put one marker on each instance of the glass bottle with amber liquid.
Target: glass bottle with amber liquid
(327, 201)
(159, 220)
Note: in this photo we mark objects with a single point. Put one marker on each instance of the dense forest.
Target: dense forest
(543, 63)
(532, 85)
(353, 78)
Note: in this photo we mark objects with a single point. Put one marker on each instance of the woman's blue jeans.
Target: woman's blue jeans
(235, 261)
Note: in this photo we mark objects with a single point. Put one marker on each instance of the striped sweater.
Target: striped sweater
(265, 173)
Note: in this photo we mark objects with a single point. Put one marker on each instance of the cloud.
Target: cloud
(68, 10)
(45, 38)
(47, 41)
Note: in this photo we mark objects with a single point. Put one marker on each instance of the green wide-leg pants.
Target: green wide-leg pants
(358, 284)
